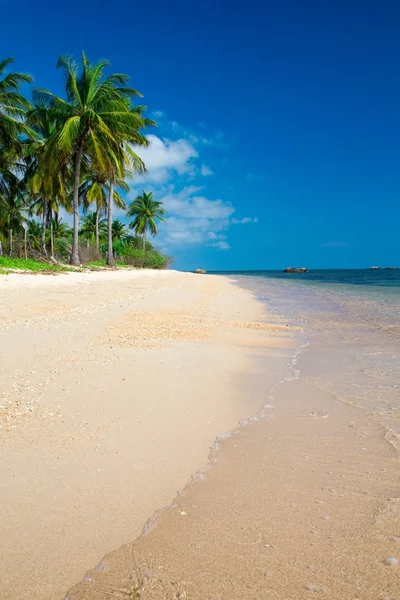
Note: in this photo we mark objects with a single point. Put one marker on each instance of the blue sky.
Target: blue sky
(279, 122)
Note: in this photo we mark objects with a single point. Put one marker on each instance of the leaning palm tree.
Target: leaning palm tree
(146, 211)
(91, 123)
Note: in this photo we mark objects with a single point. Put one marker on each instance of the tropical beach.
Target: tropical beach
(190, 438)
(200, 307)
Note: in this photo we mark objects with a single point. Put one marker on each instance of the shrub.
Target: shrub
(89, 253)
(151, 259)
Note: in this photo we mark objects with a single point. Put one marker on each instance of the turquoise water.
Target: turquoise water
(374, 294)
(368, 277)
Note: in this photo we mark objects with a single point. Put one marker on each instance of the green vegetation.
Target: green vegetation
(75, 153)
(146, 211)
(102, 264)
(8, 265)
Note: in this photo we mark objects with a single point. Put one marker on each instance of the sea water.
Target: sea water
(386, 278)
(351, 319)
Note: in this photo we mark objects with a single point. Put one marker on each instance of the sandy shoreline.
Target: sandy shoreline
(113, 388)
(301, 502)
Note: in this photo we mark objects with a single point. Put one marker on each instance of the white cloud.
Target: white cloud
(221, 245)
(245, 220)
(194, 219)
(172, 128)
(206, 171)
(190, 205)
(165, 158)
(158, 114)
(173, 163)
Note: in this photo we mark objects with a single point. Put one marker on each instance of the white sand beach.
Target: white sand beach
(113, 387)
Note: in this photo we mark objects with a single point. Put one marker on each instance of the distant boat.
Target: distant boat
(295, 270)
(391, 267)
(374, 268)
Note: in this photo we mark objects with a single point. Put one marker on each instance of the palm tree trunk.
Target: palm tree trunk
(25, 244)
(11, 242)
(97, 228)
(51, 233)
(44, 224)
(74, 260)
(1, 248)
(144, 241)
(110, 255)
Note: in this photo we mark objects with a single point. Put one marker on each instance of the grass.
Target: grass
(8, 265)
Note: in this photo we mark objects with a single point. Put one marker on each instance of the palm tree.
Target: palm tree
(12, 217)
(114, 198)
(126, 158)
(13, 130)
(95, 189)
(92, 226)
(118, 230)
(35, 235)
(12, 202)
(46, 187)
(13, 107)
(60, 232)
(91, 123)
(146, 211)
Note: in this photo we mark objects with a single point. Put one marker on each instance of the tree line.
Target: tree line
(75, 152)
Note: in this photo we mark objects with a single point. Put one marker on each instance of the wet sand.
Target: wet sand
(113, 387)
(293, 508)
(302, 501)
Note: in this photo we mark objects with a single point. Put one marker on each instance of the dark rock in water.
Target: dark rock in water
(201, 271)
(294, 270)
